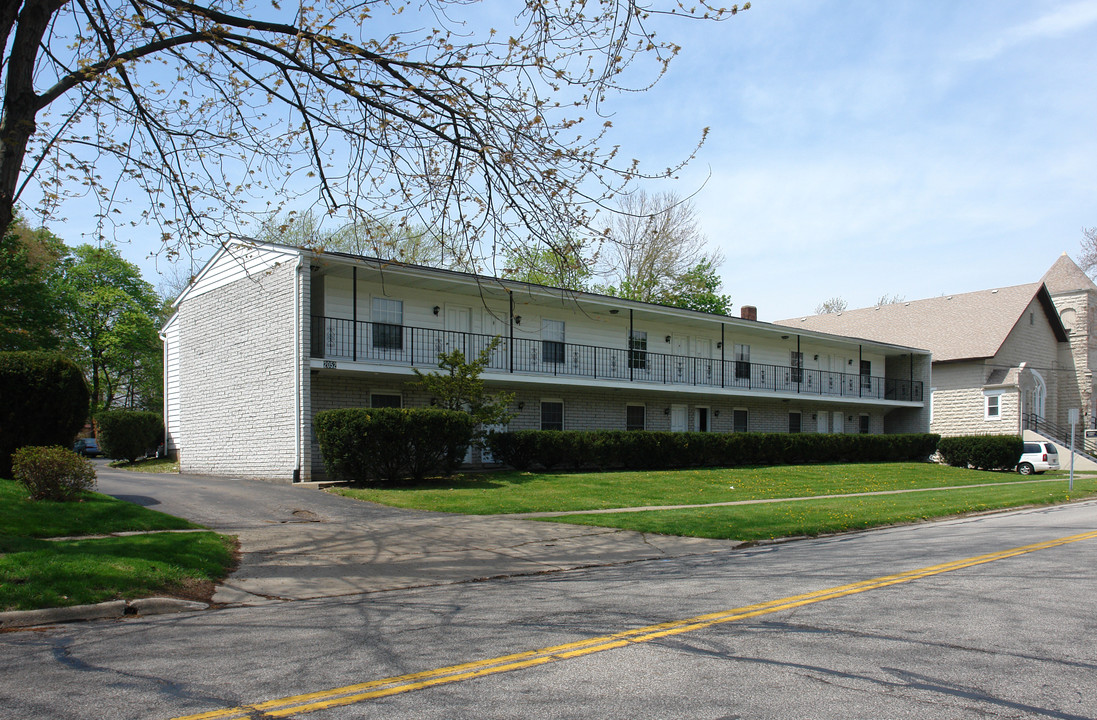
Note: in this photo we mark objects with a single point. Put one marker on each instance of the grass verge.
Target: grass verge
(514, 492)
(833, 515)
(38, 573)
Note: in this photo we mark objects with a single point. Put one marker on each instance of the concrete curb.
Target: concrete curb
(101, 611)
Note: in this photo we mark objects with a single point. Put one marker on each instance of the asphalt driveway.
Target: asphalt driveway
(299, 542)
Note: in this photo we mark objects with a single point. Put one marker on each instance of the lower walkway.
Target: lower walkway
(300, 543)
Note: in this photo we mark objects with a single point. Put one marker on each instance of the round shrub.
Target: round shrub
(43, 401)
(52, 473)
(128, 434)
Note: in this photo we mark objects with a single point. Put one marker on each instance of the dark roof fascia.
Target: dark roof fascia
(610, 300)
(1044, 296)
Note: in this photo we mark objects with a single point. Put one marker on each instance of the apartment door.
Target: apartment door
(679, 362)
(679, 418)
(821, 422)
(701, 419)
(836, 423)
(703, 366)
(458, 325)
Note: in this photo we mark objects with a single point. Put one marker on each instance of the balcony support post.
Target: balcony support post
(510, 296)
(354, 312)
(910, 388)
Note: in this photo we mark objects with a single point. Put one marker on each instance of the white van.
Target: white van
(1038, 457)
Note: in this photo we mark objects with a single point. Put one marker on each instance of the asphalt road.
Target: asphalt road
(1010, 636)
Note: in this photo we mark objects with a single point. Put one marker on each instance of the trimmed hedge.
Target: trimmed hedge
(644, 450)
(387, 445)
(982, 452)
(43, 401)
(128, 434)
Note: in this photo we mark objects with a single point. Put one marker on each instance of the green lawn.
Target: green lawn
(831, 515)
(36, 573)
(513, 492)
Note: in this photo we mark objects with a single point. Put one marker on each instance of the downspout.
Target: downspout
(297, 367)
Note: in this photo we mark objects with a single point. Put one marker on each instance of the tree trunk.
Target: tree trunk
(20, 101)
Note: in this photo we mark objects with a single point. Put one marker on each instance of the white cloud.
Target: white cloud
(1063, 21)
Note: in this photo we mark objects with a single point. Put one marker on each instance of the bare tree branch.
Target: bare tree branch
(374, 110)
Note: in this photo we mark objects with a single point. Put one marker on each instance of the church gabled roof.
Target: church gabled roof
(954, 327)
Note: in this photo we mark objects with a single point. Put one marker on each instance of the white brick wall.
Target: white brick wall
(237, 378)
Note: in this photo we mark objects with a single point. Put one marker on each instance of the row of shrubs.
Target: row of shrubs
(389, 445)
(643, 450)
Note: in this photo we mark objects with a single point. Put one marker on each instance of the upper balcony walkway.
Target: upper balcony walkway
(336, 338)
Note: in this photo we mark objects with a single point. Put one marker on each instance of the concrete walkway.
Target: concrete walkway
(299, 542)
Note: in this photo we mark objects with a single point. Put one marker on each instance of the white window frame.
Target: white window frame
(997, 395)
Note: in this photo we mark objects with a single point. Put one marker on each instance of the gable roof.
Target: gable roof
(953, 327)
(1066, 277)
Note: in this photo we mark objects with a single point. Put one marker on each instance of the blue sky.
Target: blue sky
(863, 148)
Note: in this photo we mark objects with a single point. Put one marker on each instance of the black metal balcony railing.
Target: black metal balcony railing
(380, 342)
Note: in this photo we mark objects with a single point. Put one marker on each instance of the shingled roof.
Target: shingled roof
(1066, 277)
(952, 327)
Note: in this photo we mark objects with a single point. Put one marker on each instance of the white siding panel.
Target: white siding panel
(236, 263)
(171, 385)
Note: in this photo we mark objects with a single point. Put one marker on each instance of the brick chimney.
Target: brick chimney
(748, 312)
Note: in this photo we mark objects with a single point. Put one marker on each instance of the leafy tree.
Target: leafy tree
(30, 318)
(831, 305)
(657, 253)
(458, 387)
(697, 289)
(567, 264)
(113, 317)
(203, 107)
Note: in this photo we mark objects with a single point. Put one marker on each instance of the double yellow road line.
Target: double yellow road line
(351, 694)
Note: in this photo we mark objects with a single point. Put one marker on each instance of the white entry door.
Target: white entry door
(837, 425)
(679, 419)
(821, 422)
(679, 364)
(458, 324)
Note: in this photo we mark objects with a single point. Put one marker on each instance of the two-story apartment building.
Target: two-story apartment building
(266, 336)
